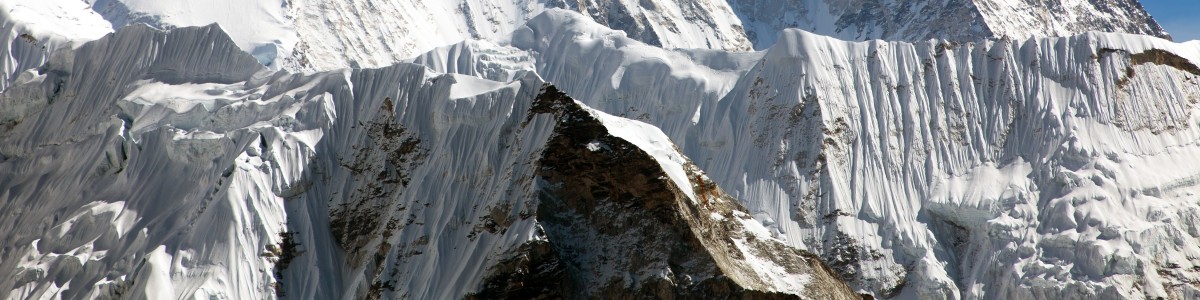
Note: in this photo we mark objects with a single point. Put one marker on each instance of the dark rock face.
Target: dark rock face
(616, 227)
(534, 272)
(357, 221)
(1162, 57)
(614, 210)
(1137, 20)
(368, 216)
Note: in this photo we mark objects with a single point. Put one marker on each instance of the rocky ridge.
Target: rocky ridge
(336, 184)
(932, 156)
(1010, 168)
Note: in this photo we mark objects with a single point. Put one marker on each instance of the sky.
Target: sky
(1181, 18)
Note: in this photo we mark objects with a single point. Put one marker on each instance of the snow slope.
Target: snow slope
(1049, 167)
(371, 34)
(1005, 169)
(324, 35)
(31, 30)
(957, 20)
(172, 164)
(308, 35)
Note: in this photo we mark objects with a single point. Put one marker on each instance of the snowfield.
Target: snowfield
(927, 169)
(171, 164)
(309, 35)
(253, 157)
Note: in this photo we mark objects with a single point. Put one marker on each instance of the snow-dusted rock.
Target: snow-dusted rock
(172, 164)
(324, 35)
(1049, 167)
(1011, 168)
(955, 20)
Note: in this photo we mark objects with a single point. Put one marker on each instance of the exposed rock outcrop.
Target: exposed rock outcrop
(616, 226)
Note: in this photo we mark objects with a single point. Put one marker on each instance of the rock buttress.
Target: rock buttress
(618, 227)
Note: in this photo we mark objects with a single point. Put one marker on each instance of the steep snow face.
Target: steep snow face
(1045, 168)
(370, 34)
(708, 24)
(83, 220)
(957, 20)
(1023, 19)
(619, 75)
(627, 214)
(1042, 168)
(862, 19)
(173, 165)
(30, 30)
(1056, 138)
(261, 27)
(337, 34)
(324, 35)
(312, 35)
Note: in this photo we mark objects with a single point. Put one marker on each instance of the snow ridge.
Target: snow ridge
(962, 21)
(82, 212)
(867, 146)
(172, 164)
(30, 31)
(1018, 168)
(306, 35)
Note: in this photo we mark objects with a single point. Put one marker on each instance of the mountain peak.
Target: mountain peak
(312, 36)
(956, 20)
(169, 161)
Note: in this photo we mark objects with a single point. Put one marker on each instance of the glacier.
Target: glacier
(1046, 163)
(1050, 167)
(306, 35)
(961, 21)
(172, 164)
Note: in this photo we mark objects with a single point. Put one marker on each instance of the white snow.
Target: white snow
(309, 35)
(870, 138)
(70, 20)
(654, 142)
(594, 146)
(1015, 169)
(32, 29)
(468, 86)
(261, 27)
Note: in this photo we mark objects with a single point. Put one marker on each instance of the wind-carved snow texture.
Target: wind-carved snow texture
(963, 21)
(371, 34)
(173, 165)
(92, 189)
(313, 35)
(31, 30)
(1042, 168)
(626, 214)
(324, 35)
(1035, 168)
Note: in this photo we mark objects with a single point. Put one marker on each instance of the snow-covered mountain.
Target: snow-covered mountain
(170, 164)
(1046, 164)
(322, 35)
(955, 20)
(1044, 168)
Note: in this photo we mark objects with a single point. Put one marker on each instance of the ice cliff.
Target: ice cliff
(962, 21)
(1042, 163)
(314, 35)
(1037, 168)
(171, 164)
